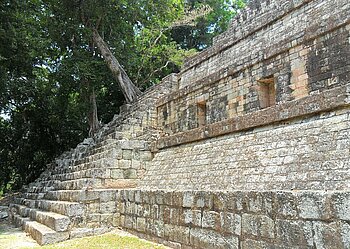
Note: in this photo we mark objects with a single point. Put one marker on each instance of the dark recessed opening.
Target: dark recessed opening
(201, 113)
(267, 92)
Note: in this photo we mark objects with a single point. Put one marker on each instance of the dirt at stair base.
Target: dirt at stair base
(14, 238)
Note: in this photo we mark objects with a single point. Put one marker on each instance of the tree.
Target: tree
(130, 91)
(87, 19)
(35, 128)
(100, 29)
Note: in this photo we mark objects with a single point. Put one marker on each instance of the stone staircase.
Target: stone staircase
(76, 195)
(74, 198)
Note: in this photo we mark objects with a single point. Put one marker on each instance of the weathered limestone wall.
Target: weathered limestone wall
(308, 153)
(245, 220)
(303, 46)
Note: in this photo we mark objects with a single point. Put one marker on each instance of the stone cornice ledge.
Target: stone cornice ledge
(327, 100)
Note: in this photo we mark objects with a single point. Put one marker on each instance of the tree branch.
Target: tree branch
(129, 90)
(156, 71)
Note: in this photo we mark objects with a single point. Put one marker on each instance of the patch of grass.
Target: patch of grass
(8, 239)
(107, 241)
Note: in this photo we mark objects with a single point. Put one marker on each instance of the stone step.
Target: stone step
(82, 183)
(107, 161)
(93, 154)
(21, 210)
(103, 149)
(67, 208)
(41, 189)
(57, 222)
(102, 195)
(103, 145)
(95, 183)
(29, 203)
(70, 209)
(128, 170)
(18, 220)
(103, 159)
(43, 234)
(42, 186)
(33, 196)
(86, 173)
(112, 134)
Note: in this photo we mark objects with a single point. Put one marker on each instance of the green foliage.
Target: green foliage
(200, 35)
(157, 56)
(39, 122)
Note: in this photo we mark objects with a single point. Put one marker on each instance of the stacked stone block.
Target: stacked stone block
(238, 219)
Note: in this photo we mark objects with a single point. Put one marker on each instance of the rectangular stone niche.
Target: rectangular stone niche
(267, 91)
(202, 113)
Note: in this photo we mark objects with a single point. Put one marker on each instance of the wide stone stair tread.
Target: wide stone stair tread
(25, 202)
(55, 221)
(105, 144)
(42, 182)
(67, 208)
(41, 189)
(19, 221)
(43, 185)
(83, 195)
(21, 210)
(33, 196)
(85, 173)
(80, 183)
(87, 164)
(43, 234)
(96, 183)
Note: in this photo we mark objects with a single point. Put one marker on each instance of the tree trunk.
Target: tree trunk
(93, 118)
(130, 91)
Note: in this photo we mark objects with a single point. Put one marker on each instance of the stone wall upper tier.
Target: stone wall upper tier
(274, 52)
(264, 30)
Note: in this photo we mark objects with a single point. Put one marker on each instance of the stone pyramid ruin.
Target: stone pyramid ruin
(247, 147)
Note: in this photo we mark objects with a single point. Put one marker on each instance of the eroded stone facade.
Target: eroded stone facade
(238, 219)
(304, 51)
